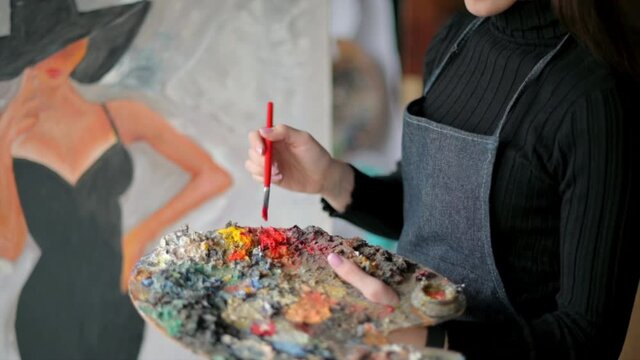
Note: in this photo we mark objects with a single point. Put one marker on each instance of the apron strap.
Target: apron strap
(532, 75)
(454, 49)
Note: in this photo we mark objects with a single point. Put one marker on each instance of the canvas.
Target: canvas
(153, 138)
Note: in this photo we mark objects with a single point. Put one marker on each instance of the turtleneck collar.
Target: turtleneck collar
(529, 21)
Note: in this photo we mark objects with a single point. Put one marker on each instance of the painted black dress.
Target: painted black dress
(71, 306)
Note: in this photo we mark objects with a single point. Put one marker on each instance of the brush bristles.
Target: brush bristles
(265, 204)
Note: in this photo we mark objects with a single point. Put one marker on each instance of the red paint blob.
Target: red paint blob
(263, 329)
(436, 294)
(232, 289)
(306, 328)
(274, 243)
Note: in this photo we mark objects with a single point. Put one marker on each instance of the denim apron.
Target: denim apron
(446, 180)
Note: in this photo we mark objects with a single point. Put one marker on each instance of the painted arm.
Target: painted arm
(13, 228)
(19, 116)
(136, 122)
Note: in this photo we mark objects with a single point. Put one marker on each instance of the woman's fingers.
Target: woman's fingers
(254, 156)
(20, 117)
(128, 263)
(255, 161)
(253, 168)
(256, 143)
(255, 165)
(24, 125)
(29, 108)
(370, 287)
(26, 108)
(291, 136)
(276, 133)
(256, 169)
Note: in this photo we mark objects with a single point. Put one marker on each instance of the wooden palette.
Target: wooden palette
(259, 293)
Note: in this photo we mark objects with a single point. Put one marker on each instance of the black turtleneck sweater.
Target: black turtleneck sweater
(560, 198)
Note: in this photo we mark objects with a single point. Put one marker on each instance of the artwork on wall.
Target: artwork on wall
(360, 109)
(120, 120)
(367, 112)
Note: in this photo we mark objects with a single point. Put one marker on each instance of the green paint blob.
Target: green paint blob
(168, 318)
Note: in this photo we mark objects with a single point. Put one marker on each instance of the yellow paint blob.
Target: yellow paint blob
(237, 241)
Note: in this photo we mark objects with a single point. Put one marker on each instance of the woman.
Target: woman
(65, 164)
(515, 181)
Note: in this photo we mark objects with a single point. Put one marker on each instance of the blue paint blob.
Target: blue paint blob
(215, 282)
(292, 349)
(255, 283)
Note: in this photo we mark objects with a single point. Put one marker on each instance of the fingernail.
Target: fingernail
(334, 259)
(274, 167)
(266, 130)
(260, 150)
(276, 177)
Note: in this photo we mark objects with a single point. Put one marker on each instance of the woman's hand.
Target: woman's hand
(378, 292)
(17, 118)
(22, 112)
(136, 122)
(301, 164)
(133, 246)
(370, 287)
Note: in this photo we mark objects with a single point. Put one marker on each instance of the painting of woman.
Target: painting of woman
(64, 165)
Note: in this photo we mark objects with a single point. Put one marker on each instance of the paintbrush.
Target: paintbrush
(267, 164)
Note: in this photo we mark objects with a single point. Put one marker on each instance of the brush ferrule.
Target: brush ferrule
(265, 202)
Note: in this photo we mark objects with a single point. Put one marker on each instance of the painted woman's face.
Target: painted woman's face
(487, 7)
(59, 66)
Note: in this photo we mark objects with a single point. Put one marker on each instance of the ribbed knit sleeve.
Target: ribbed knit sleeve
(376, 204)
(595, 288)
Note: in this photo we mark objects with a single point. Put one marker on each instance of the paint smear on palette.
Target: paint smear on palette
(312, 308)
(262, 292)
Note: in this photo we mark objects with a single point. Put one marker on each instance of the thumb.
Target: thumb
(282, 132)
(371, 288)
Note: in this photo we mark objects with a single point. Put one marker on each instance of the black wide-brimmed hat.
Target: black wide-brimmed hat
(39, 28)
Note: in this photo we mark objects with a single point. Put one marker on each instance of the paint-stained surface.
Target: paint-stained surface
(235, 292)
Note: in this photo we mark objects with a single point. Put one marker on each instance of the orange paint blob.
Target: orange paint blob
(372, 336)
(237, 255)
(312, 308)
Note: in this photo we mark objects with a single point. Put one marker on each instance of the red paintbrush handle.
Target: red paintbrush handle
(268, 148)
